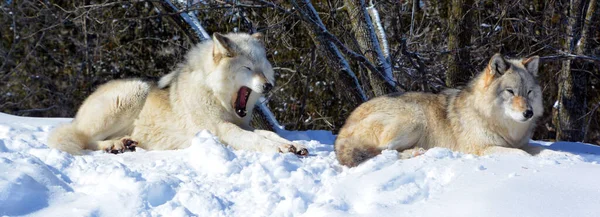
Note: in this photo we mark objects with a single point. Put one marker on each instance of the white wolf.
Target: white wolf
(215, 88)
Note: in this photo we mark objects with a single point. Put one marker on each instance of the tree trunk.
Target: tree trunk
(572, 102)
(354, 94)
(459, 38)
(442, 7)
(364, 32)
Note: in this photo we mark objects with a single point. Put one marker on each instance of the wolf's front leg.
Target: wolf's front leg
(241, 139)
(504, 150)
(300, 149)
(533, 150)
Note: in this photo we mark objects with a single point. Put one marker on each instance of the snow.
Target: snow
(209, 179)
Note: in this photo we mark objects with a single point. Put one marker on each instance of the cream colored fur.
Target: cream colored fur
(198, 95)
(488, 116)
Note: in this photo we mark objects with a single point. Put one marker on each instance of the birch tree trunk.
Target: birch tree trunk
(364, 32)
(381, 36)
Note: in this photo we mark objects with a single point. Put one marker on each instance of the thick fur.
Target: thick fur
(487, 116)
(199, 94)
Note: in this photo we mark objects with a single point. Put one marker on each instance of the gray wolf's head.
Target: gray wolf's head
(513, 82)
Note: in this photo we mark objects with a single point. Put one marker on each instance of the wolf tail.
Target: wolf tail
(350, 152)
(67, 138)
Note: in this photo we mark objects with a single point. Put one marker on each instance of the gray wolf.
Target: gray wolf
(495, 113)
(215, 88)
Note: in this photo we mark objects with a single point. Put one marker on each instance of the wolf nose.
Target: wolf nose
(267, 87)
(528, 113)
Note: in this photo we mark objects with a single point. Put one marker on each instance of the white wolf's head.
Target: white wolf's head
(241, 63)
(515, 89)
(233, 66)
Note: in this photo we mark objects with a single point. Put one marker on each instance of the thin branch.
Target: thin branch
(570, 57)
(284, 69)
(35, 110)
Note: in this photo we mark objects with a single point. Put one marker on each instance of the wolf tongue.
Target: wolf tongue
(241, 101)
(243, 97)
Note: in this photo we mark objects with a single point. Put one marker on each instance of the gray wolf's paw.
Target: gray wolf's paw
(497, 150)
(410, 153)
(122, 145)
(296, 149)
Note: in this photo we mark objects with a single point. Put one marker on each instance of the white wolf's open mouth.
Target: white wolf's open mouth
(241, 101)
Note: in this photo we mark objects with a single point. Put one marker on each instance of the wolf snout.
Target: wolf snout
(267, 87)
(528, 113)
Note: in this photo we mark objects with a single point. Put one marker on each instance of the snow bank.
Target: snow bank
(209, 179)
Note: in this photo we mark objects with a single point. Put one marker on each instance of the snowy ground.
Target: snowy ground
(209, 179)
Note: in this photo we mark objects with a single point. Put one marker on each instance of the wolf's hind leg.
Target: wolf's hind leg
(356, 144)
(109, 112)
(68, 139)
(401, 137)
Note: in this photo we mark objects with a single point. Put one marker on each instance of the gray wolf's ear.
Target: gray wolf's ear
(497, 64)
(532, 64)
(495, 68)
(223, 47)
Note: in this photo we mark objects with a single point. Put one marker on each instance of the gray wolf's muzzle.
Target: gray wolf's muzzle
(528, 113)
(267, 87)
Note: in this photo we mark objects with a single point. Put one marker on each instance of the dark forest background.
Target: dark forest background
(329, 56)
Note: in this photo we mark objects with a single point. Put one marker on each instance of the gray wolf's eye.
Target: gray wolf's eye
(528, 92)
(510, 91)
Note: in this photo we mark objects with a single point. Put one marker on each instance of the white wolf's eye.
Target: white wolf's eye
(510, 91)
(248, 68)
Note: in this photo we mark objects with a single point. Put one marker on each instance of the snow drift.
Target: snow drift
(209, 179)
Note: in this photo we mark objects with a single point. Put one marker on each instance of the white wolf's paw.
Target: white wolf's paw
(301, 150)
(295, 148)
(120, 146)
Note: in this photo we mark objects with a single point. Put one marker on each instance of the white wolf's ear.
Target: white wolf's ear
(258, 36)
(497, 65)
(223, 47)
(532, 64)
